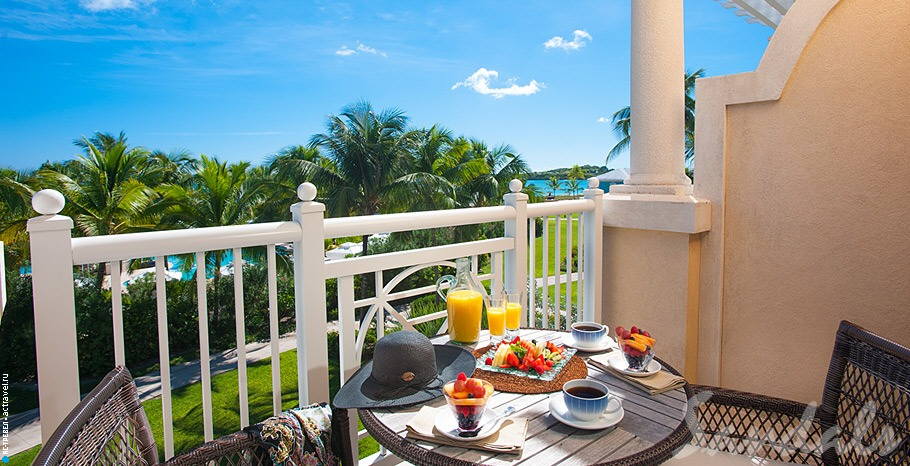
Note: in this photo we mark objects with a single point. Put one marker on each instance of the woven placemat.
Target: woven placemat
(574, 369)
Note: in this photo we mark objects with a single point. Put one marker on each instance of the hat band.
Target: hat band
(423, 386)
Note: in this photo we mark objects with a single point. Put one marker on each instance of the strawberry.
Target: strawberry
(620, 330)
(516, 340)
(634, 329)
(489, 361)
(539, 368)
(645, 333)
(461, 376)
(460, 386)
(512, 360)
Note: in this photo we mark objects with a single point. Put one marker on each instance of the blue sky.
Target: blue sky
(241, 79)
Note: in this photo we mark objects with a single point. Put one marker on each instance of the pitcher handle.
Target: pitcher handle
(450, 280)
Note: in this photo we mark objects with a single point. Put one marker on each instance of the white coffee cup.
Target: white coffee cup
(589, 400)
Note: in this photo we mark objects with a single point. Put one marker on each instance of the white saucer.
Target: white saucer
(559, 410)
(604, 344)
(447, 425)
(620, 364)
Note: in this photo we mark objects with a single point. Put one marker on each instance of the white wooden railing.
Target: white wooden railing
(54, 253)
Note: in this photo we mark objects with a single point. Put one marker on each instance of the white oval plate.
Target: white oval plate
(619, 363)
(447, 425)
(605, 343)
(559, 410)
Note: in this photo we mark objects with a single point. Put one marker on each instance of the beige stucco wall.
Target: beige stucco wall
(817, 204)
(646, 283)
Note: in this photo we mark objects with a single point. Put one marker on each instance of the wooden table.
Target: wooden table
(651, 430)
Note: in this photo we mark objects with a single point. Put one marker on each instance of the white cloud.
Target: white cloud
(106, 5)
(365, 49)
(580, 38)
(603, 120)
(344, 51)
(482, 78)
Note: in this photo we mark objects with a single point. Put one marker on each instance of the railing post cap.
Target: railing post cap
(515, 185)
(593, 182)
(306, 191)
(48, 202)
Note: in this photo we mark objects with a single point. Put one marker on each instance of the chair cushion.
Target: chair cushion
(301, 436)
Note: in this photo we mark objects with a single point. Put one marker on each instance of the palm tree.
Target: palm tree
(106, 188)
(554, 185)
(368, 156)
(16, 190)
(217, 194)
(621, 121)
(504, 166)
(281, 176)
(574, 176)
(438, 153)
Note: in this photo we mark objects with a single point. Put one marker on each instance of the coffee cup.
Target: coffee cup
(588, 334)
(589, 400)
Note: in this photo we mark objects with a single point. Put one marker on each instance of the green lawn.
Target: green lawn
(551, 266)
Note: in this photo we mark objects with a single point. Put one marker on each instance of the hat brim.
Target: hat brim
(362, 391)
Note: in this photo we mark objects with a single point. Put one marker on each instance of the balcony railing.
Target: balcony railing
(512, 265)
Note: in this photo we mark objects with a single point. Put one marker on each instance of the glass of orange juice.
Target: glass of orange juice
(513, 313)
(496, 319)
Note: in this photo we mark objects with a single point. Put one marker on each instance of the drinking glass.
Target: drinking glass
(496, 319)
(513, 313)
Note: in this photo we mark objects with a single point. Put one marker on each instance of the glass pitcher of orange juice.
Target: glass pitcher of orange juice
(464, 302)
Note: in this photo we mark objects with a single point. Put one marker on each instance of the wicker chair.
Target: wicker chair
(866, 371)
(109, 427)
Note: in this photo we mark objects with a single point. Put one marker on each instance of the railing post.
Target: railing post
(593, 251)
(55, 310)
(309, 298)
(516, 260)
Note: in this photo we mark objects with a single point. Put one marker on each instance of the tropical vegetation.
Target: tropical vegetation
(621, 121)
(365, 162)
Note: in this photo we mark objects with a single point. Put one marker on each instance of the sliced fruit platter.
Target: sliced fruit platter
(536, 359)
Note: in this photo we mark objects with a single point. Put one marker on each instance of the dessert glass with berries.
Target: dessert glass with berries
(637, 346)
(468, 399)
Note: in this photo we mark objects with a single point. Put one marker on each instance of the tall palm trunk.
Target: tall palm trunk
(366, 243)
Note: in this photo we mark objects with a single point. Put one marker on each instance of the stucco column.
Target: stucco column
(658, 119)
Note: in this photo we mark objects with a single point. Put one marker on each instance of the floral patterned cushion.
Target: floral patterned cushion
(297, 437)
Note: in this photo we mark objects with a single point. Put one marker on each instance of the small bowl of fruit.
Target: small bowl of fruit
(637, 346)
(468, 399)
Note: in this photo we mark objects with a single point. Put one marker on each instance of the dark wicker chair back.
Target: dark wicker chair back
(867, 399)
(107, 427)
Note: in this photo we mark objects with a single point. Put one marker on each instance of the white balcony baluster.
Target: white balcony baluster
(557, 247)
(545, 273)
(117, 312)
(532, 274)
(274, 333)
(240, 329)
(164, 357)
(204, 356)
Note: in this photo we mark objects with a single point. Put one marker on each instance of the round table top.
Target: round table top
(652, 428)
